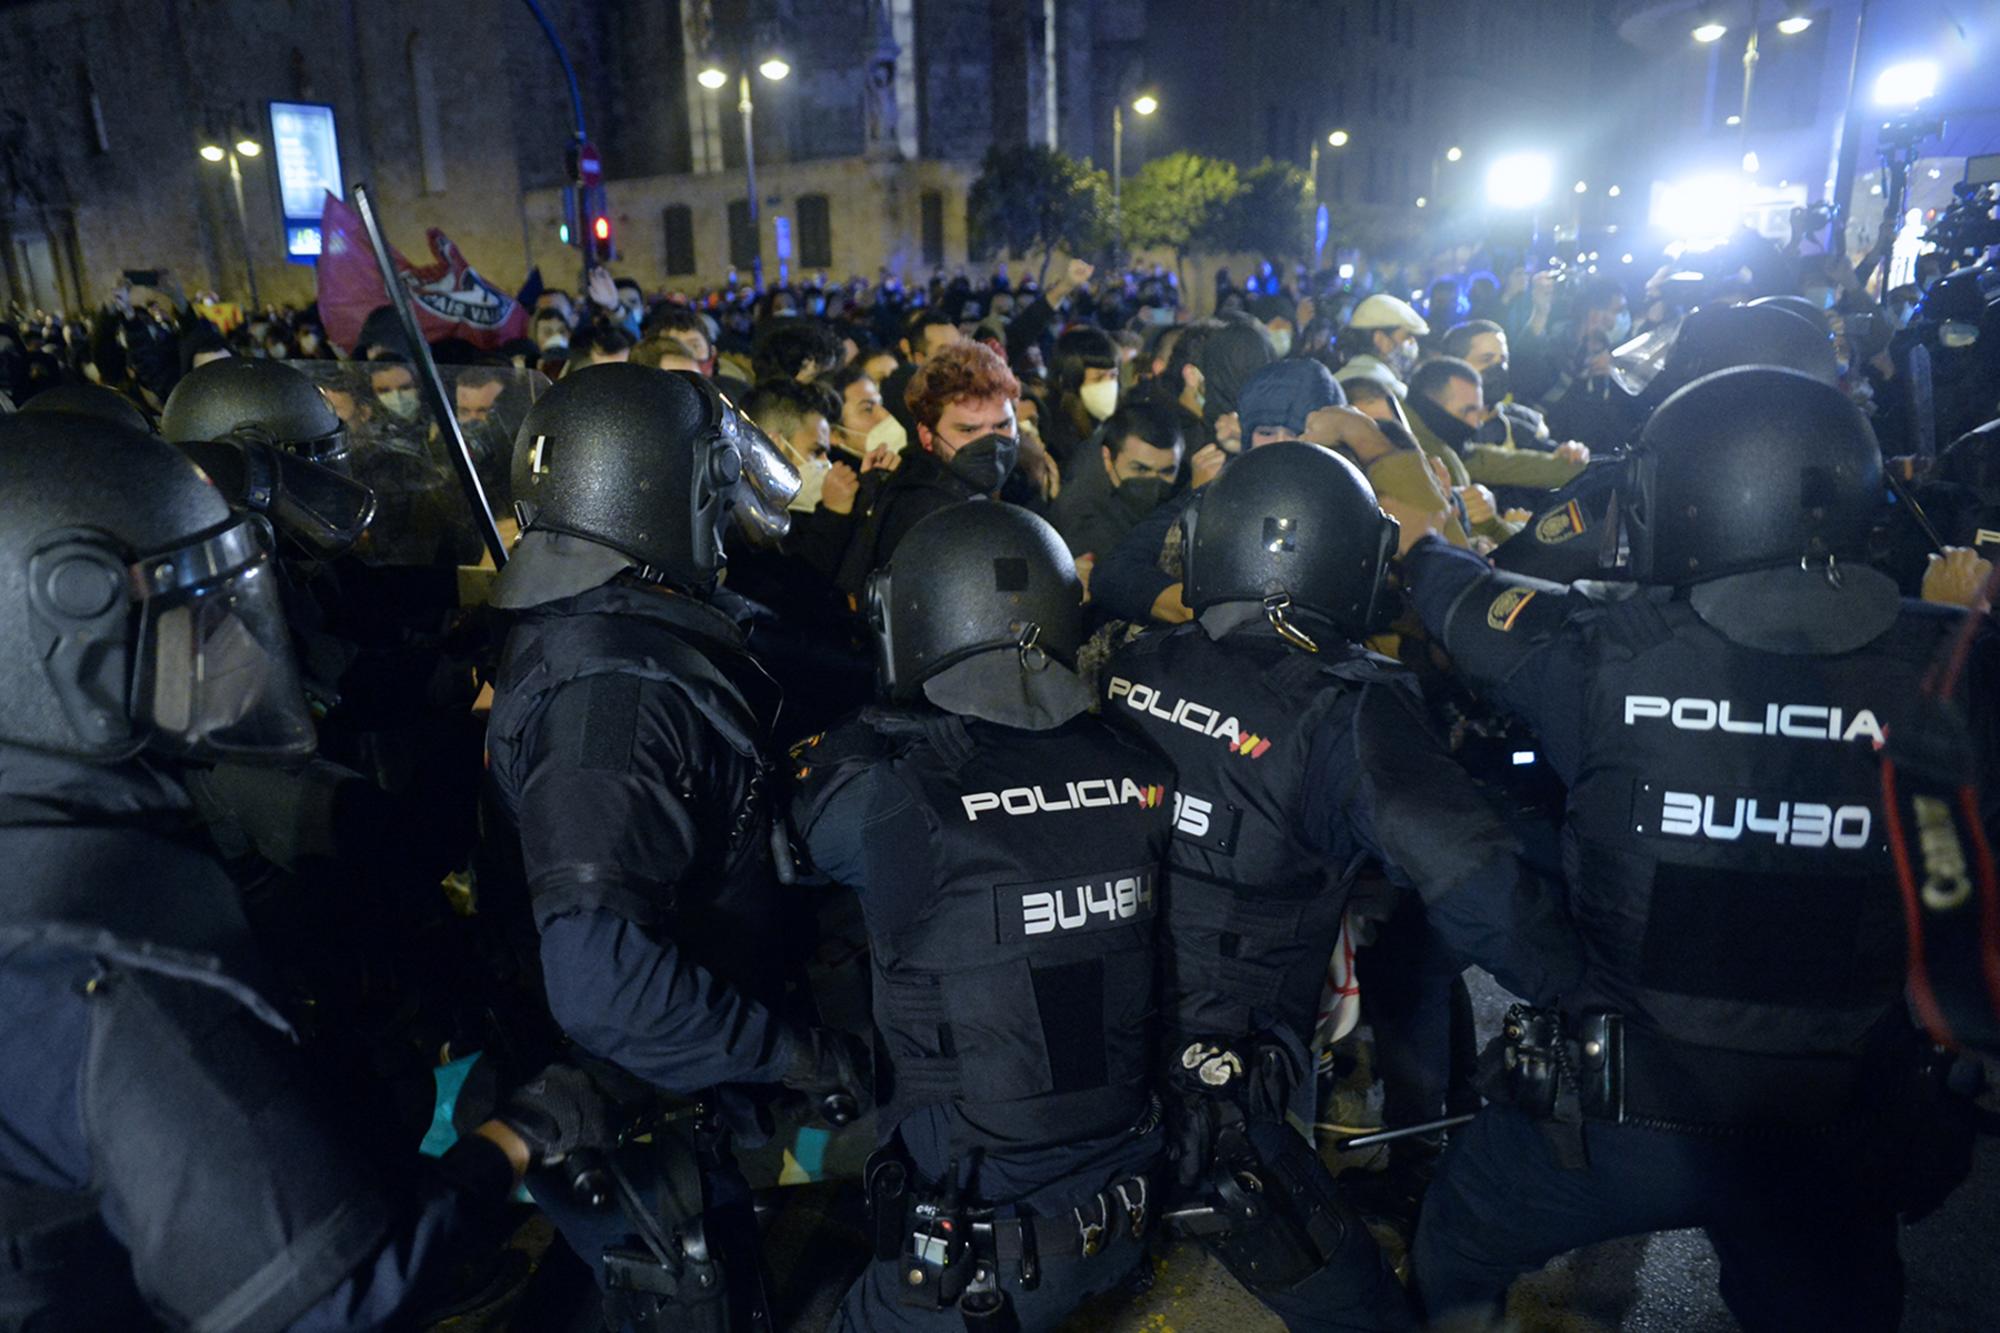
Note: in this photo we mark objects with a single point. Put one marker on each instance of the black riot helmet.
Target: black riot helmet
(644, 467)
(90, 400)
(1718, 337)
(269, 399)
(970, 579)
(137, 612)
(1289, 525)
(1750, 468)
(1801, 307)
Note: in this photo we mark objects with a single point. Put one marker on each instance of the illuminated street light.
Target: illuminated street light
(1794, 25)
(1625, 259)
(1338, 138)
(1519, 180)
(711, 78)
(212, 152)
(1145, 104)
(1906, 84)
(1750, 163)
(1710, 31)
(1581, 187)
(249, 147)
(1421, 201)
(1733, 119)
(1614, 192)
(774, 69)
(1454, 153)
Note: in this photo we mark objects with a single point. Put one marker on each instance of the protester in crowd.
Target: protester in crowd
(1140, 462)
(1380, 341)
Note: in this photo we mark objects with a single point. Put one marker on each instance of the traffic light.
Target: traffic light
(562, 232)
(601, 228)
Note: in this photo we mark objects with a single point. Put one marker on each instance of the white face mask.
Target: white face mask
(1403, 359)
(1099, 399)
(1281, 342)
(812, 480)
(401, 403)
(888, 431)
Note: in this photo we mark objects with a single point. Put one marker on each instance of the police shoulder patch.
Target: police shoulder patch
(1505, 609)
(1560, 525)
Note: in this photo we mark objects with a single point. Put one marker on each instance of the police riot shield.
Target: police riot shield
(396, 448)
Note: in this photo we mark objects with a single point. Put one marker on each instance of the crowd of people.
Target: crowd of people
(1027, 713)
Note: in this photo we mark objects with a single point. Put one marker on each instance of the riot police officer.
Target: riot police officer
(1574, 533)
(160, 1156)
(1301, 757)
(630, 796)
(1006, 849)
(1737, 1051)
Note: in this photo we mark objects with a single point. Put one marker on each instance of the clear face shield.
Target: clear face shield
(214, 676)
(1636, 363)
(765, 483)
(322, 511)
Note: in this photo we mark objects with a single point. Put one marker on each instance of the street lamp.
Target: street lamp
(1794, 24)
(1144, 104)
(1337, 139)
(1453, 153)
(712, 76)
(1710, 31)
(245, 146)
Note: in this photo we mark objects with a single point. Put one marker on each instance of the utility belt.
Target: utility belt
(953, 1252)
(1595, 1067)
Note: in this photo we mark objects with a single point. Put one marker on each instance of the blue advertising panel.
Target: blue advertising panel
(306, 154)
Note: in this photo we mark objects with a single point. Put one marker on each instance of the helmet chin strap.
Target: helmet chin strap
(1034, 657)
(1274, 611)
(1831, 570)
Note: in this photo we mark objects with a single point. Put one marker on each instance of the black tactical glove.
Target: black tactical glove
(835, 1067)
(557, 1112)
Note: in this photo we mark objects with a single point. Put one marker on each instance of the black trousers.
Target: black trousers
(1804, 1243)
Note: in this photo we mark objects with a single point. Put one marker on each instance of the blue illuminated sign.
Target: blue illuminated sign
(306, 155)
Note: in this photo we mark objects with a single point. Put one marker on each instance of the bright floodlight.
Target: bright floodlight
(1338, 138)
(1906, 84)
(712, 77)
(1145, 104)
(774, 69)
(249, 147)
(1422, 202)
(1453, 153)
(213, 152)
(1699, 212)
(1710, 31)
(1519, 180)
(1794, 25)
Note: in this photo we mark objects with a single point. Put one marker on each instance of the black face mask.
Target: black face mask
(985, 463)
(1442, 423)
(1140, 496)
(1497, 382)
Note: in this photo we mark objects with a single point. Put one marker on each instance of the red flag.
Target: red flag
(451, 300)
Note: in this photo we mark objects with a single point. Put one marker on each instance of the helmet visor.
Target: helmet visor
(216, 677)
(766, 484)
(1637, 363)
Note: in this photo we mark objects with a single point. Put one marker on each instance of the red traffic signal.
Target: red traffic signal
(600, 227)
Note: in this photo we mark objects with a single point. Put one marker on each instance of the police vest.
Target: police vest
(1024, 995)
(1252, 911)
(623, 640)
(163, 919)
(1730, 872)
